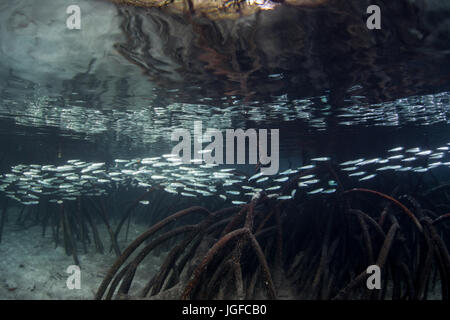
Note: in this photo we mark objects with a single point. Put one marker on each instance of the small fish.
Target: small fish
(399, 156)
(395, 149)
(144, 202)
(356, 174)
(170, 190)
(87, 177)
(310, 166)
(273, 188)
(114, 174)
(370, 161)
(309, 176)
(293, 193)
(351, 162)
(169, 155)
(316, 191)
(284, 197)
(233, 192)
(302, 184)
(312, 181)
(64, 168)
(281, 179)
(186, 194)
(157, 177)
(413, 150)
(176, 185)
(328, 191)
(409, 159)
(424, 153)
(385, 168)
(255, 176)
(286, 172)
(28, 203)
(204, 193)
(262, 179)
(436, 156)
(321, 159)
(72, 178)
(349, 169)
(435, 164)
(223, 197)
(370, 176)
(238, 202)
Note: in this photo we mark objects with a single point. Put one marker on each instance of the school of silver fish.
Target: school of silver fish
(29, 183)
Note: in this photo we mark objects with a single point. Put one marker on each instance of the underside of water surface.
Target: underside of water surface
(313, 148)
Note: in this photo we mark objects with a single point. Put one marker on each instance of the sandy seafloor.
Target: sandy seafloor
(32, 268)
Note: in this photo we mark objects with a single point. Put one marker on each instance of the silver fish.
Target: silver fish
(310, 166)
(424, 153)
(351, 162)
(356, 174)
(399, 156)
(255, 176)
(321, 159)
(284, 197)
(316, 191)
(309, 176)
(311, 181)
(368, 177)
(186, 194)
(262, 179)
(395, 149)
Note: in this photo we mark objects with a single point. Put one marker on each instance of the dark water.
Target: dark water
(333, 88)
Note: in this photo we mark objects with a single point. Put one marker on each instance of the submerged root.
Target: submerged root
(276, 250)
(305, 248)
